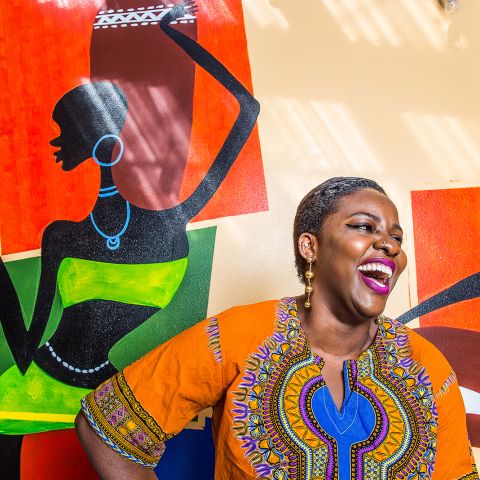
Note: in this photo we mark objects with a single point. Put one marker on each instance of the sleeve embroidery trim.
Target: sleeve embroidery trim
(470, 476)
(120, 421)
(214, 339)
(473, 475)
(451, 379)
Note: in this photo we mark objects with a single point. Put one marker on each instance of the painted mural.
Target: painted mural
(164, 120)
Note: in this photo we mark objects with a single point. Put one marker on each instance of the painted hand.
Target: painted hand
(178, 11)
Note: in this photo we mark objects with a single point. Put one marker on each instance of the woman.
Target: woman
(115, 268)
(319, 386)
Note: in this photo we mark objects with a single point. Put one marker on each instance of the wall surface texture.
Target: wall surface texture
(384, 89)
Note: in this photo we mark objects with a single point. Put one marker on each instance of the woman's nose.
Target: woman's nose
(55, 142)
(386, 243)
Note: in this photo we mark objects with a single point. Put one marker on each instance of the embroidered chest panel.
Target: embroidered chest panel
(290, 429)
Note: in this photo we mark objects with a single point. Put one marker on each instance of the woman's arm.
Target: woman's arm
(249, 109)
(107, 463)
(23, 343)
(157, 396)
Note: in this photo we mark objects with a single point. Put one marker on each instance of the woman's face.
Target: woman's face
(359, 256)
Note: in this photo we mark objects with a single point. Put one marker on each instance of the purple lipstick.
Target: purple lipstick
(376, 274)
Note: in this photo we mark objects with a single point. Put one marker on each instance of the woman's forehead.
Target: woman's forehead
(367, 201)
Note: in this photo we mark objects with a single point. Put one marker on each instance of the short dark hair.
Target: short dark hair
(318, 204)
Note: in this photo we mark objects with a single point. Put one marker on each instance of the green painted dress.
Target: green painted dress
(37, 402)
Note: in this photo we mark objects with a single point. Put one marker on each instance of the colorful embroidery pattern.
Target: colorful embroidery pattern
(470, 476)
(214, 339)
(290, 429)
(120, 421)
(451, 379)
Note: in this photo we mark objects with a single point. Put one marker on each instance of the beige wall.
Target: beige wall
(386, 89)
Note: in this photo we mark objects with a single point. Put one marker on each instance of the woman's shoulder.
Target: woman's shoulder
(249, 324)
(425, 353)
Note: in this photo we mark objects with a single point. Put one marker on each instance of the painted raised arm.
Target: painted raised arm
(241, 129)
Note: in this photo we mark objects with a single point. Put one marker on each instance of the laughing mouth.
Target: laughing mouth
(376, 274)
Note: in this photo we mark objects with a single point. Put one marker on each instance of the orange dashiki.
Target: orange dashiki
(273, 417)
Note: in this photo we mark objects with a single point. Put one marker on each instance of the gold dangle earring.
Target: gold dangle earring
(308, 282)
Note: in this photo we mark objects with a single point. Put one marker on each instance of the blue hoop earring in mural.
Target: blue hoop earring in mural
(100, 140)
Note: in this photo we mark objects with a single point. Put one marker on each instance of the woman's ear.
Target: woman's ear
(307, 245)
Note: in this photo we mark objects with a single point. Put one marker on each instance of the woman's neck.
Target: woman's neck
(330, 335)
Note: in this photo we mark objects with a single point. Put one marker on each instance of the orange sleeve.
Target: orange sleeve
(454, 459)
(148, 402)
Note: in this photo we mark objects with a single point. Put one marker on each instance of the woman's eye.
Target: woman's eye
(398, 239)
(366, 227)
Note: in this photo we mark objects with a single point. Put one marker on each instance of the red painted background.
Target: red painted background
(44, 52)
(447, 229)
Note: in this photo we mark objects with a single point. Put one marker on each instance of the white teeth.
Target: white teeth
(376, 267)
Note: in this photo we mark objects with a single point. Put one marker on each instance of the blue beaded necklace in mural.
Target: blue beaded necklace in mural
(113, 241)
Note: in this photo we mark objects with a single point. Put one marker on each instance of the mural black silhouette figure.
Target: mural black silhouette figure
(118, 242)
(122, 263)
